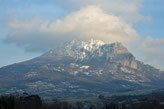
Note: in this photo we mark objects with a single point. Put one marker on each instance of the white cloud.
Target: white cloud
(129, 10)
(151, 51)
(90, 22)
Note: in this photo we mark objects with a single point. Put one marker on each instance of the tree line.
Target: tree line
(35, 102)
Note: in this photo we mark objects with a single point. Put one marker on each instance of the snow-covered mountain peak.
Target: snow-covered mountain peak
(87, 50)
(92, 44)
(89, 45)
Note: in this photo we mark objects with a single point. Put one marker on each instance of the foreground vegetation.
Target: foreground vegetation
(150, 101)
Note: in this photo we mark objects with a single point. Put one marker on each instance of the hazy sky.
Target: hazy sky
(30, 27)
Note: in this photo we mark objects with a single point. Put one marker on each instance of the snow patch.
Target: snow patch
(75, 73)
(31, 74)
(84, 67)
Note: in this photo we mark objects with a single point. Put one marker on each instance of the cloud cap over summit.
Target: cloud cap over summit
(91, 22)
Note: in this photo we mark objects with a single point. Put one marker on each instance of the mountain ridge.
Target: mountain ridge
(79, 69)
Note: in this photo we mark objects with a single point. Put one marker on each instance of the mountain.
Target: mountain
(81, 69)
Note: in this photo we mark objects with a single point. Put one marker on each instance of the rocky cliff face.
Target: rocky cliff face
(79, 69)
(94, 50)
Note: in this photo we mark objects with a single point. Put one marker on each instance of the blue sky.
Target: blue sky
(155, 9)
(144, 16)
